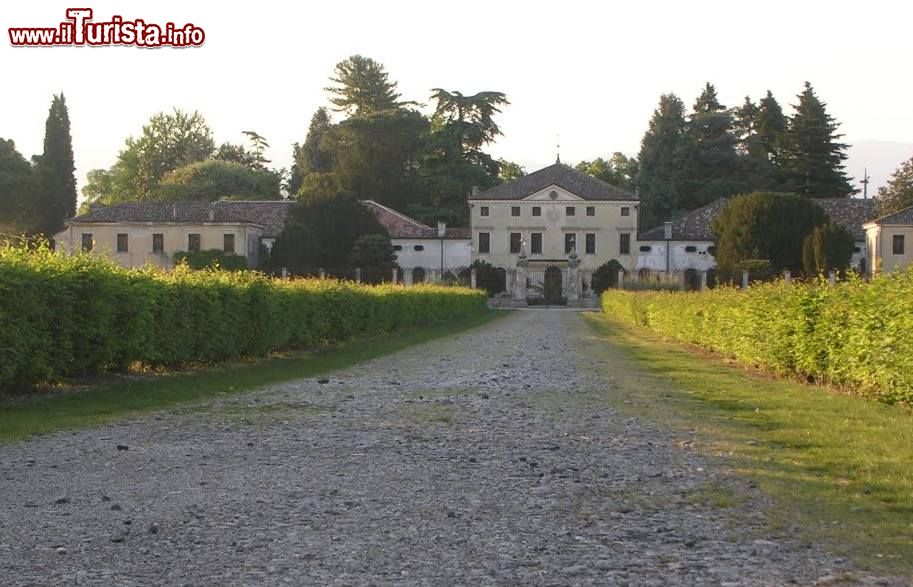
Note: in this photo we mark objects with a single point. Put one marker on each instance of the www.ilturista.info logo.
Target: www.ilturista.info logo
(79, 30)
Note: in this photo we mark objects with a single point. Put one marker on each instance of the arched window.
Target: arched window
(418, 275)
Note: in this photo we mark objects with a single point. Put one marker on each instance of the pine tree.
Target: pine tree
(770, 129)
(309, 157)
(743, 127)
(814, 159)
(898, 194)
(714, 169)
(56, 199)
(662, 151)
(362, 87)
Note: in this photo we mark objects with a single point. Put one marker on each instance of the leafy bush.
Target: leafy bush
(828, 247)
(854, 335)
(74, 315)
(210, 259)
(606, 276)
(488, 277)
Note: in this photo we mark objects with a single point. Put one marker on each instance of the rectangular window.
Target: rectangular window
(483, 211)
(624, 244)
(591, 210)
(898, 244)
(591, 243)
(535, 243)
(625, 211)
(121, 242)
(515, 239)
(87, 241)
(193, 243)
(484, 242)
(570, 211)
(228, 243)
(570, 243)
(537, 211)
(515, 210)
(158, 243)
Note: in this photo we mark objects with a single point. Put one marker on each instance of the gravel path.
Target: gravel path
(491, 457)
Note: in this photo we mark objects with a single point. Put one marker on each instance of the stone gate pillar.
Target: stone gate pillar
(573, 277)
(407, 275)
(472, 278)
(520, 279)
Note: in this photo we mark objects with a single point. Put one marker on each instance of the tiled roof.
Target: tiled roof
(693, 226)
(904, 216)
(850, 213)
(271, 215)
(399, 225)
(568, 178)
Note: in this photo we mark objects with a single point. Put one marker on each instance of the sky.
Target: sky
(590, 73)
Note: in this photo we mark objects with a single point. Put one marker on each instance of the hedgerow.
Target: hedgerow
(62, 316)
(854, 335)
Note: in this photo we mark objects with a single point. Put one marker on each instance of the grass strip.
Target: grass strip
(840, 468)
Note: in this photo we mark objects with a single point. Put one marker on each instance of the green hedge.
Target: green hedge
(76, 315)
(854, 335)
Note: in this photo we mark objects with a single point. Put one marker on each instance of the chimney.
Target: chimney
(441, 229)
(667, 230)
(475, 190)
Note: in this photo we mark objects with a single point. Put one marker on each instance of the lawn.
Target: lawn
(840, 468)
(23, 416)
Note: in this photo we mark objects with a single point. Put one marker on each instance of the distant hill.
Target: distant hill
(880, 157)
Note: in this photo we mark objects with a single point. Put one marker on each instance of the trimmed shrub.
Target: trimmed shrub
(854, 335)
(210, 259)
(75, 315)
(606, 276)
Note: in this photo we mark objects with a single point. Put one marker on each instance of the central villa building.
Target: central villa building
(550, 215)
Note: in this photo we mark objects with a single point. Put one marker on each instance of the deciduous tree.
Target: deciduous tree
(898, 194)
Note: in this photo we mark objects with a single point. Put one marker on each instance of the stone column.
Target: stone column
(321, 273)
(472, 278)
(832, 278)
(407, 275)
(358, 275)
(394, 274)
(744, 280)
(284, 273)
(520, 279)
(435, 276)
(703, 282)
(787, 277)
(621, 278)
(573, 277)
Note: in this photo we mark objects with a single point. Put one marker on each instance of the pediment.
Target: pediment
(553, 193)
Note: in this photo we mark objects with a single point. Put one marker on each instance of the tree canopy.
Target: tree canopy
(215, 179)
(362, 87)
(898, 193)
(18, 190)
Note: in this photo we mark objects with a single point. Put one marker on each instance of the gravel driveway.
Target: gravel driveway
(491, 457)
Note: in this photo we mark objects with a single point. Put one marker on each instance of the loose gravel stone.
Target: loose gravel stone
(489, 458)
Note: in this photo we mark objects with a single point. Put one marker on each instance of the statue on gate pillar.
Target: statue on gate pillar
(520, 280)
(573, 277)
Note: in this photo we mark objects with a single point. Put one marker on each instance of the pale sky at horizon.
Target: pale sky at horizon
(592, 72)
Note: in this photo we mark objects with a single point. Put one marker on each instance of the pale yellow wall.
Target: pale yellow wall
(880, 240)
(140, 240)
(607, 224)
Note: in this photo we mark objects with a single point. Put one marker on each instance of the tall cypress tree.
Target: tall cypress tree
(309, 157)
(660, 177)
(814, 158)
(56, 199)
(714, 166)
